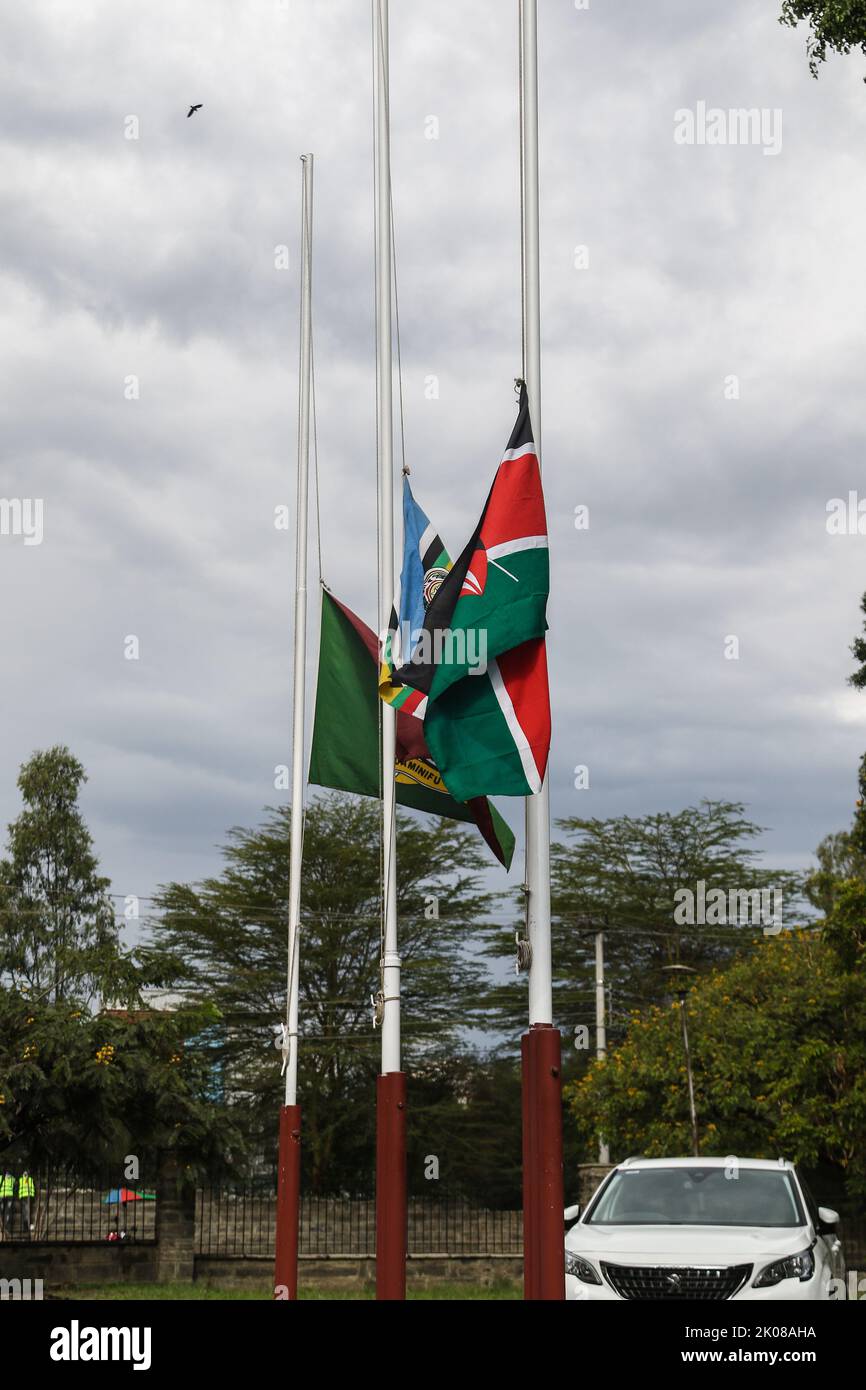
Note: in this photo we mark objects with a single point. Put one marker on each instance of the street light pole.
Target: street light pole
(682, 992)
(692, 1111)
(600, 1029)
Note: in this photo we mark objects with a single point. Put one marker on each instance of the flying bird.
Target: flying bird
(194, 108)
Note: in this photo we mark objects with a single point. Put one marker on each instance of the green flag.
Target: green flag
(345, 751)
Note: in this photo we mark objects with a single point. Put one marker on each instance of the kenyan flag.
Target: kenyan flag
(481, 660)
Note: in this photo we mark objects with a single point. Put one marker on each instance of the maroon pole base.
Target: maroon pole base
(288, 1204)
(391, 1208)
(530, 1188)
(543, 1224)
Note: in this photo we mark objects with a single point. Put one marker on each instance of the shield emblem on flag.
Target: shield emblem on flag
(432, 581)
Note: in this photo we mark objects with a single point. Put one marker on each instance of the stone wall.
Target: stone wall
(589, 1175)
(103, 1262)
(175, 1226)
(421, 1270)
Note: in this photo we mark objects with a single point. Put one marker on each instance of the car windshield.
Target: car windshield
(734, 1196)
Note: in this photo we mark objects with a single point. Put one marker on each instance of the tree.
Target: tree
(837, 26)
(84, 1090)
(622, 876)
(224, 941)
(839, 858)
(464, 1135)
(58, 935)
(858, 680)
(778, 1042)
(80, 1087)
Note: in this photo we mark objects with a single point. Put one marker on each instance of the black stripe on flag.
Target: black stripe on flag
(438, 616)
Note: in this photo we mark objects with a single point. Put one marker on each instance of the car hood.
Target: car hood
(642, 1245)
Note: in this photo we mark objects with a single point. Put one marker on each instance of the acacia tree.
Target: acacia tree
(621, 876)
(224, 940)
(837, 26)
(58, 935)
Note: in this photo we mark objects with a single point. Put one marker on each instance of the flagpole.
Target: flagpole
(289, 1178)
(391, 1209)
(544, 1276)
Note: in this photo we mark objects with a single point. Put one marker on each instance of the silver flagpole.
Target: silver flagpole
(297, 822)
(289, 1172)
(391, 1089)
(544, 1276)
(538, 806)
(391, 979)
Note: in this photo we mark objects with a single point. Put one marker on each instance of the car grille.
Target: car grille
(680, 1281)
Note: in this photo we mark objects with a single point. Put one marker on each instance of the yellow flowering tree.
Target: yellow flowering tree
(778, 1042)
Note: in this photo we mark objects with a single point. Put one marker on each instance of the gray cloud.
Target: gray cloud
(155, 258)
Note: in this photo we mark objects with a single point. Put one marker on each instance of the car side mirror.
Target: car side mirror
(828, 1220)
(571, 1213)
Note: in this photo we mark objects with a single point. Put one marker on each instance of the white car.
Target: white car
(703, 1228)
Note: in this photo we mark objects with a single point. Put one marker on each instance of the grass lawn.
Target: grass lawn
(149, 1292)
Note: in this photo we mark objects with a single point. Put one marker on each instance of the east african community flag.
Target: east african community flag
(481, 661)
(426, 563)
(345, 751)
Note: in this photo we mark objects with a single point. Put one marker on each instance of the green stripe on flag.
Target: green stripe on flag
(466, 732)
(345, 750)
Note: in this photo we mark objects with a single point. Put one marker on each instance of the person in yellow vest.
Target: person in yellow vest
(26, 1193)
(7, 1195)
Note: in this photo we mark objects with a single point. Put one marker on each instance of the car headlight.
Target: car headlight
(580, 1269)
(800, 1266)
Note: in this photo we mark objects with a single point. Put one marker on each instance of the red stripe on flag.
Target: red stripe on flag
(476, 575)
(516, 504)
(524, 673)
(412, 701)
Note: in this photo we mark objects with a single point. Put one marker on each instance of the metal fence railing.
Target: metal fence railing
(233, 1221)
(240, 1220)
(71, 1208)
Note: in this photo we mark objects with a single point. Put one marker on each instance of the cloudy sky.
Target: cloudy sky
(702, 388)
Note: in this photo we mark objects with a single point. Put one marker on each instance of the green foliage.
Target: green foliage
(84, 1090)
(778, 1044)
(78, 1087)
(837, 26)
(858, 680)
(845, 925)
(58, 937)
(467, 1113)
(225, 940)
(839, 858)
